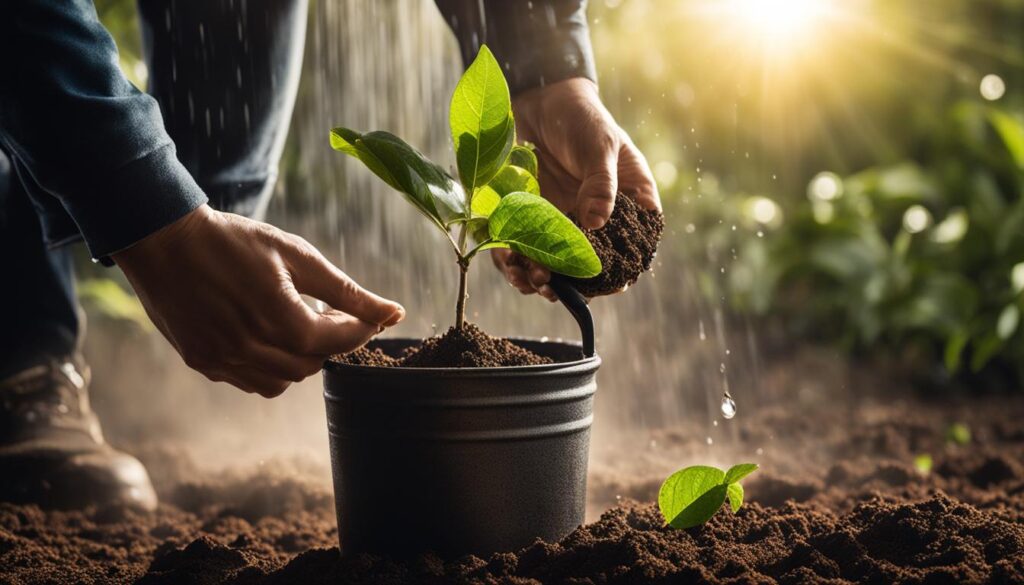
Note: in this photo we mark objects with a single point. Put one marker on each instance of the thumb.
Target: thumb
(596, 197)
(315, 276)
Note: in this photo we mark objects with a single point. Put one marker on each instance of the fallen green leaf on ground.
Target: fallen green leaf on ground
(691, 496)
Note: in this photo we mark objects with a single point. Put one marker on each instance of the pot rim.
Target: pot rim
(561, 367)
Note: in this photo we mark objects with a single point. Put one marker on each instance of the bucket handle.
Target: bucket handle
(577, 305)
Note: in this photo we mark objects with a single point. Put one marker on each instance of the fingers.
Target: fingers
(525, 276)
(595, 199)
(315, 276)
(334, 332)
(636, 179)
(283, 365)
(251, 380)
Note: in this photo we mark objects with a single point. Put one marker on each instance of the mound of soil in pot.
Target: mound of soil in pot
(626, 246)
(468, 347)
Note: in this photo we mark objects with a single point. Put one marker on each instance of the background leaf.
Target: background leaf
(481, 121)
(739, 471)
(735, 495)
(535, 228)
(684, 487)
(425, 184)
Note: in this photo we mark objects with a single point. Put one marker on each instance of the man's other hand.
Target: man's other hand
(225, 291)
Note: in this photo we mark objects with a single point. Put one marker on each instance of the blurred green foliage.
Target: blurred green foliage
(104, 298)
(848, 180)
(855, 187)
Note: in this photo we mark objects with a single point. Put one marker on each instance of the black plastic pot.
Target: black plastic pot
(462, 460)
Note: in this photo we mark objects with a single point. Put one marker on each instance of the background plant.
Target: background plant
(498, 201)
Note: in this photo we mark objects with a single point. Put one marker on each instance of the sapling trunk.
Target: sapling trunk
(460, 305)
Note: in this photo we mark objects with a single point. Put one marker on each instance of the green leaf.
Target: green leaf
(984, 350)
(739, 471)
(685, 489)
(1008, 320)
(511, 179)
(735, 495)
(523, 156)
(405, 169)
(535, 228)
(953, 355)
(485, 201)
(1011, 130)
(481, 121)
(958, 433)
(923, 463)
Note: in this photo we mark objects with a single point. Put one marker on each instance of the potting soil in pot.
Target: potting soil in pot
(468, 347)
(626, 246)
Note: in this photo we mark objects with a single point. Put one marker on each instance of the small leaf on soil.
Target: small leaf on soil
(685, 487)
(691, 496)
(481, 121)
(958, 433)
(923, 464)
(739, 471)
(702, 509)
(535, 228)
(735, 494)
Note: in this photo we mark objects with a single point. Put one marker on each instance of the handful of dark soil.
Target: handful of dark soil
(468, 347)
(626, 246)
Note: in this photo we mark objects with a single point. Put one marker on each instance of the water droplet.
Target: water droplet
(759, 451)
(710, 441)
(728, 407)
(714, 423)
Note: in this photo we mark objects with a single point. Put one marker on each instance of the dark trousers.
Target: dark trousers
(226, 100)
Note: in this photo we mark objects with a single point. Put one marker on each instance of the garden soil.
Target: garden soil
(838, 499)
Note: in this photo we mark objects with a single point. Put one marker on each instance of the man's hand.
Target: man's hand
(585, 159)
(224, 290)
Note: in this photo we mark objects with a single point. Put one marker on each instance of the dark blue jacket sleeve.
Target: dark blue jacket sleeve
(82, 132)
(537, 42)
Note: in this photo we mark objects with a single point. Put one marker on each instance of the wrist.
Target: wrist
(531, 103)
(166, 238)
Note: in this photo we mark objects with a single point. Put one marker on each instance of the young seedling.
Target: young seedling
(691, 496)
(496, 201)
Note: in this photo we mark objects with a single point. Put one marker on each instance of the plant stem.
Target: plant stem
(460, 305)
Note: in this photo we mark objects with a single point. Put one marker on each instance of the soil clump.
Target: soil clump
(626, 246)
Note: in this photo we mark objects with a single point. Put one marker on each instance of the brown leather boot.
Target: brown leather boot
(52, 451)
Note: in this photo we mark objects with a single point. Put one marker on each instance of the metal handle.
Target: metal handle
(577, 305)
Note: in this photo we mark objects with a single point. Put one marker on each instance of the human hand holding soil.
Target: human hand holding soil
(225, 291)
(585, 160)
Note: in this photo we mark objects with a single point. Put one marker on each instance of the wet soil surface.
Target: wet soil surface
(838, 499)
(626, 246)
(468, 347)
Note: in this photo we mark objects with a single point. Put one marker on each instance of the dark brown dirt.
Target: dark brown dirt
(838, 499)
(468, 347)
(626, 246)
